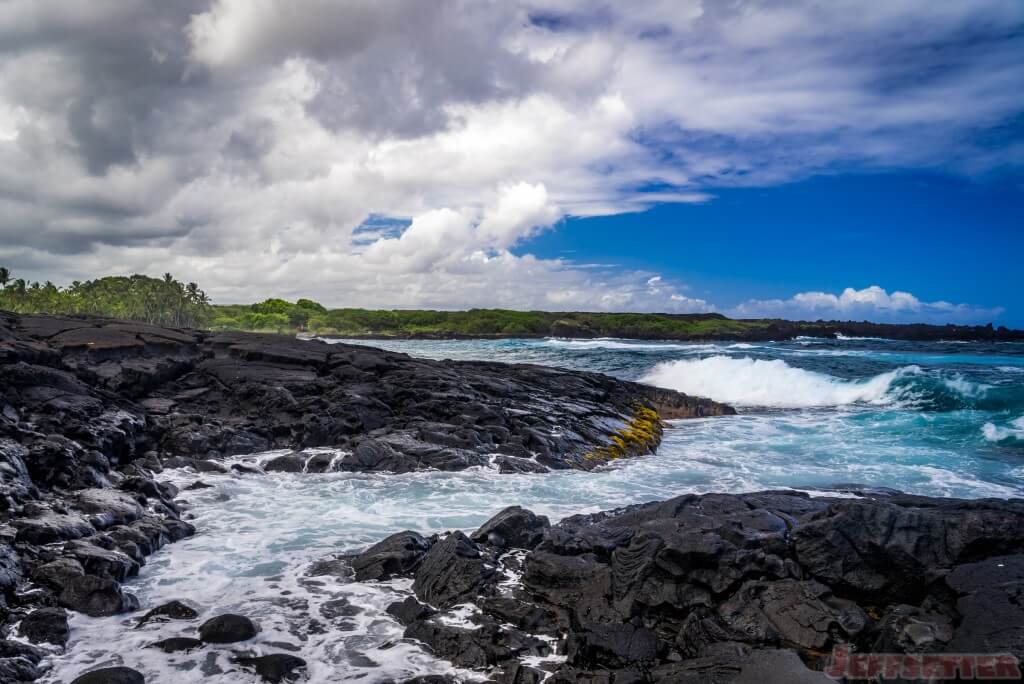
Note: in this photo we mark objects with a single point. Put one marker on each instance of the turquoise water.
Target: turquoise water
(939, 418)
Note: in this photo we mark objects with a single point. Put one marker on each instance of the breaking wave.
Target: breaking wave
(1011, 432)
(774, 383)
(758, 382)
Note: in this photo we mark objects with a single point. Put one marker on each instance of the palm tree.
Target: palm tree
(5, 277)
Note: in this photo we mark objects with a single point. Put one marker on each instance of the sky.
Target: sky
(800, 159)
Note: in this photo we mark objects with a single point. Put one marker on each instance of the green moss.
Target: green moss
(639, 436)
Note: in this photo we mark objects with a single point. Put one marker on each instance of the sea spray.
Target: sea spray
(760, 382)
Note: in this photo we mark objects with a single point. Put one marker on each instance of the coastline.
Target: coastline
(700, 586)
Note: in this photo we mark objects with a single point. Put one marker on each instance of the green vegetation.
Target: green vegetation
(139, 298)
(168, 302)
(641, 435)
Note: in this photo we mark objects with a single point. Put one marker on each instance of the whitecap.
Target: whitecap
(1014, 430)
(757, 382)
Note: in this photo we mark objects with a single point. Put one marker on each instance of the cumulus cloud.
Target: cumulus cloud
(251, 144)
(871, 303)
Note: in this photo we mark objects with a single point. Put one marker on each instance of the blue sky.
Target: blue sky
(792, 158)
(941, 237)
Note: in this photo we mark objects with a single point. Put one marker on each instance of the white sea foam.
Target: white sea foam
(758, 382)
(849, 338)
(616, 343)
(1014, 430)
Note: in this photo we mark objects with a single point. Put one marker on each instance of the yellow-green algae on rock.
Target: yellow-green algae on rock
(641, 435)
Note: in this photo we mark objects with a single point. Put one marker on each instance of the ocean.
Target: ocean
(818, 415)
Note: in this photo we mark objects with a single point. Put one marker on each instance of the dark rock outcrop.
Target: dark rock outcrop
(92, 409)
(176, 644)
(722, 588)
(46, 625)
(227, 629)
(111, 675)
(394, 555)
(275, 667)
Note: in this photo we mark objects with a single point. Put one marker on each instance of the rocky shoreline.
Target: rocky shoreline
(92, 410)
(753, 588)
(777, 330)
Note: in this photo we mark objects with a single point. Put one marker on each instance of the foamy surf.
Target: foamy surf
(773, 383)
(1012, 431)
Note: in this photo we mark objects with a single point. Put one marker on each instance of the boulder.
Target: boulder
(110, 675)
(514, 527)
(453, 571)
(96, 596)
(46, 625)
(176, 644)
(288, 463)
(172, 610)
(394, 555)
(274, 667)
(227, 629)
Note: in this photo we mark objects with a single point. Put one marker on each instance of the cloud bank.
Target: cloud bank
(254, 145)
(871, 303)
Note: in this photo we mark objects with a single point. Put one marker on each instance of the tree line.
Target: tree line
(160, 301)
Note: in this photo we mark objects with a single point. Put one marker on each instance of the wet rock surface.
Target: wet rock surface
(720, 588)
(227, 629)
(111, 675)
(91, 410)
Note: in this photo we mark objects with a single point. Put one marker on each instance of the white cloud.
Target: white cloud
(243, 143)
(871, 303)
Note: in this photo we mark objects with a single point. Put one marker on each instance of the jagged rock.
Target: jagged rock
(515, 464)
(228, 628)
(96, 596)
(288, 463)
(18, 669)
(409, 610)
(46, 625)
(176, 644)
(10, 568)
(613, 646)
(106, 563)
(16, 485)
(111, 675)
(56, 574)
(895, 551)
(991, 605)
(52, 527)
(789, 612)
(172, 610)
(394, 555)
(208, 466)
(275, 667)
(513, 527)
(16, 649)
(483, 643)
(719, 588)
(452, 571)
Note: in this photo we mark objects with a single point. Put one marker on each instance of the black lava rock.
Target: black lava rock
(111, 675)
(46, 625)
(514, 527)
(275, 667)
(228, 628)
